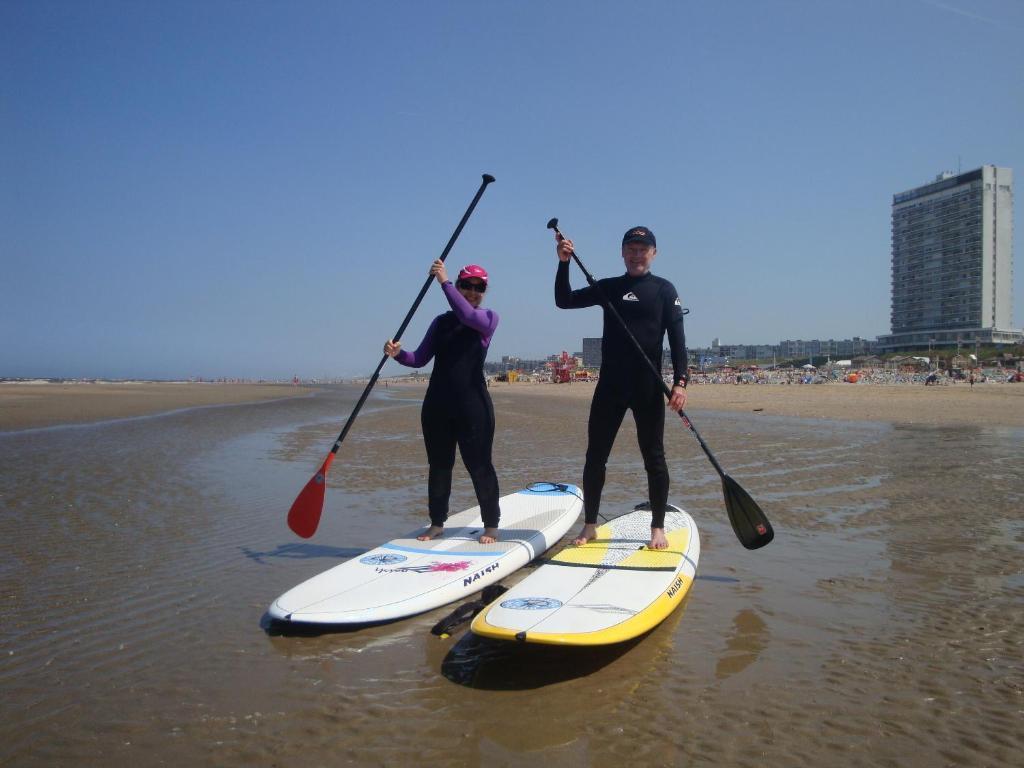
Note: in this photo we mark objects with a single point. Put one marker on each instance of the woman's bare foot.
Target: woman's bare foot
(489, 536)
(431, 533)
(658, 540)
(589, 533)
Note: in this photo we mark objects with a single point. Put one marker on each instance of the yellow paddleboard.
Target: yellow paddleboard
(607, 591)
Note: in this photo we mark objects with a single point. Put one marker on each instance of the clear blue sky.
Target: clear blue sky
(258, 189)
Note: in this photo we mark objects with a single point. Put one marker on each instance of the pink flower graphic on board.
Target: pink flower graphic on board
(461, 565)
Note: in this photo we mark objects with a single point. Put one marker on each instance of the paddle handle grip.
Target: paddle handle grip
(487, 179)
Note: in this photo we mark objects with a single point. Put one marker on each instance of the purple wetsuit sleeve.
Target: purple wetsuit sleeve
(484, 321)
(424, 352)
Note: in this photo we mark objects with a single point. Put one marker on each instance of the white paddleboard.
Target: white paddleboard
(407, 576)
(607, 591)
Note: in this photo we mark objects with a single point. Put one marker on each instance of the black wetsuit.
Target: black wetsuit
(650, 307)
(457, 408)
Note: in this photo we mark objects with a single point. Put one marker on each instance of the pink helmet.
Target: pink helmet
(473, 270)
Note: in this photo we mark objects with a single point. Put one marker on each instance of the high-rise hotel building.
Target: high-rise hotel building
(952, 262)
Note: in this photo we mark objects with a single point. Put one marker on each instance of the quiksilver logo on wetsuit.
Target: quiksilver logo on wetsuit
(630, 297)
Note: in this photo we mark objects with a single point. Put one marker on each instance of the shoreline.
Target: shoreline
(44, 404)
(38, 405)
(989, 404)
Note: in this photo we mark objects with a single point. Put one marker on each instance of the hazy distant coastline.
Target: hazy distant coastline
(31, 403)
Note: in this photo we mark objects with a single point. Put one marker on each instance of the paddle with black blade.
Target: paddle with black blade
(748, 521)
(304, 516)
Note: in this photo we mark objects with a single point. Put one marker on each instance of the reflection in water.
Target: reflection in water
(531, 703)
(722, 579)
(275, 628)
(749, 637)
(479, 662)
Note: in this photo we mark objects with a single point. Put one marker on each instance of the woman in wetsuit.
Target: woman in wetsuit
(457, 408)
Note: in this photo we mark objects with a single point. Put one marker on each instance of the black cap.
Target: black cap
(640, 235)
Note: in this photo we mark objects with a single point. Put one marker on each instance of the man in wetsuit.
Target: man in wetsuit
(650, 307)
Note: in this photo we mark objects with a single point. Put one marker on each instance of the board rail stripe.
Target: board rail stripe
(636, 543)
(455, 552)
(568, 564)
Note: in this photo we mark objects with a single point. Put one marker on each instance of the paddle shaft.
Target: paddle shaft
(487, 179)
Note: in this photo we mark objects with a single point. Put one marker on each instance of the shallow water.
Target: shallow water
(882, 627)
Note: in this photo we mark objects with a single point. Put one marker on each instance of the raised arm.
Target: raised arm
(484, 321)
(566, 297)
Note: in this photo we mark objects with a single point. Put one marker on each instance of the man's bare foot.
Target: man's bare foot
(489, 536)
(589, 533)
(658, 540)
(431, 533)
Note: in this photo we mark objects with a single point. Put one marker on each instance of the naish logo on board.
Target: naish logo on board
(434, 567)
(630, 297)
(676, 585)
(470, 579)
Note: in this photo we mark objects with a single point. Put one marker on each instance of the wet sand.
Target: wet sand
(882, 627)
(28, 406)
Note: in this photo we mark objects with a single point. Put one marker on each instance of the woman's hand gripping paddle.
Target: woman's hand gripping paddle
(749, 523)
(304, 516)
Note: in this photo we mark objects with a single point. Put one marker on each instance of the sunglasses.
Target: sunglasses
(468, 286)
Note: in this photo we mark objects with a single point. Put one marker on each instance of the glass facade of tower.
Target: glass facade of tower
(937, 256)
(952, 260)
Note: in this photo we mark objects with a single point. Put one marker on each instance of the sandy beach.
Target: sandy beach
(26, 406)
(44, 404)
(960, 404)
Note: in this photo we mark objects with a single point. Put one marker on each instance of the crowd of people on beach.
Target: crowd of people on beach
(859, 377)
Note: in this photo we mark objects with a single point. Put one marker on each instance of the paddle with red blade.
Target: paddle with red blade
(304, 516)
(749, 522)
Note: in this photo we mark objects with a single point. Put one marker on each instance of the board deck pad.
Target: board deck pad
(406, 576)
(609, 590)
